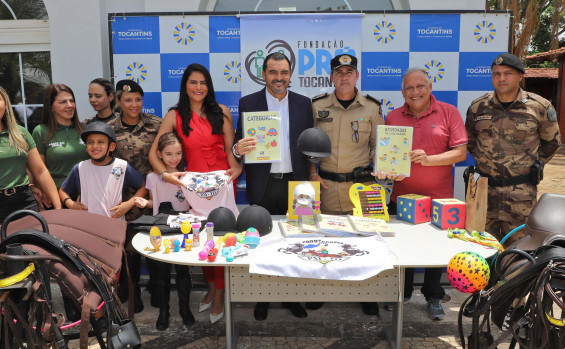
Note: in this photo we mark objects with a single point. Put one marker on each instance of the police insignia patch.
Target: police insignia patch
(552, 115)
(498, 60)
(323, 113)
(127, 88)
(345, 59)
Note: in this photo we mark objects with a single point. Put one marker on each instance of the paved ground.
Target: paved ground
(335, 326)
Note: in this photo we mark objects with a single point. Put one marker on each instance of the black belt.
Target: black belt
(14, 190)
(345, 177)
(286, 175)
(336, 177)
(506, 181)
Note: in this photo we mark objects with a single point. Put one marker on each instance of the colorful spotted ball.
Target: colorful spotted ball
(468, 272)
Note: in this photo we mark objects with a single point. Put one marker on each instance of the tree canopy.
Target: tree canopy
(537, 24)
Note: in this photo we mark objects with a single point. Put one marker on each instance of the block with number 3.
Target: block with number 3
(448, 213)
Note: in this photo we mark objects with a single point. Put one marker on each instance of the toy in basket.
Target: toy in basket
(369, 201)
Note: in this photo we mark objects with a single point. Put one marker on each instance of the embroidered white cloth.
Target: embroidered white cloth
(322, 258)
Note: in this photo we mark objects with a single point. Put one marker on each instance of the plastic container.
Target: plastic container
(196, 234)
(210, 230)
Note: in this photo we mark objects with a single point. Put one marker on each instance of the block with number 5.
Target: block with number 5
(448, 213)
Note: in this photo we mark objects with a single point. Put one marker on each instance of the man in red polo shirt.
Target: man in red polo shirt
(440, 140)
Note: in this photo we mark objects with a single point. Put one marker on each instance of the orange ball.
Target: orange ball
(230, 239)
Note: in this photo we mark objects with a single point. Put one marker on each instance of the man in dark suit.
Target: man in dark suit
(296, 115)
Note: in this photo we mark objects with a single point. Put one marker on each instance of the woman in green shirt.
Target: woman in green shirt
(58, 135)
(18, 152)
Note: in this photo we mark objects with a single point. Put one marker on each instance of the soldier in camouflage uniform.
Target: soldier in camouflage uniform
(510, 130)
(135, 132)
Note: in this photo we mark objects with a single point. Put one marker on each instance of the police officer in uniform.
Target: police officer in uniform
(512, 134)
(350, 120)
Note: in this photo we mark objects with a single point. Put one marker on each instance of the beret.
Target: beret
(509, 60)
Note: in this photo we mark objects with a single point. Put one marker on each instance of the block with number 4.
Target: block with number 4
(448, 213)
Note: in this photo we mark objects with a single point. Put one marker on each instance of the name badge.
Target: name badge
(483, 117)
(325, 120)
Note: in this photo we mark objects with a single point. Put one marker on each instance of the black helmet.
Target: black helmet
(223, 219)
(257, 217)
(315, 144)
(99, 127)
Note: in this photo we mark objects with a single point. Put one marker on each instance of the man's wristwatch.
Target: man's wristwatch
(161, 175)
(237, 156)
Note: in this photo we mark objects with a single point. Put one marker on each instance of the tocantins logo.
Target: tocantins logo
(184, 33)
(232, 72)
(384, 32)
(484, 32)
(435, 70)
(137, 72)
(323, 251)
(386, 107)
(254, 60)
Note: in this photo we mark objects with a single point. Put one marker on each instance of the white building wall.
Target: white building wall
(79, 39)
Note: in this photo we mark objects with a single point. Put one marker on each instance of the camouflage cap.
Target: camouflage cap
(509, 60)
(341, 60)
(128, 86)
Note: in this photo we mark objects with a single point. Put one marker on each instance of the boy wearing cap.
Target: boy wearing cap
(99, 181)
(512, 133)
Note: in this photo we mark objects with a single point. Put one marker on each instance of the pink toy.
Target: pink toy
(203, 254)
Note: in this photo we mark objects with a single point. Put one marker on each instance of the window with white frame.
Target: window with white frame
(25, 60)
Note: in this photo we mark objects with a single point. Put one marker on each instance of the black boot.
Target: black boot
(162, 294)
(184, 286)
(153, 267)
(134, 263)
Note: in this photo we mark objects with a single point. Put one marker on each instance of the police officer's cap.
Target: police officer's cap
(343, 60)
(101, 128)
(255, 217)
(223, 219)
(315, 144)
(128, 86)
(509, 60)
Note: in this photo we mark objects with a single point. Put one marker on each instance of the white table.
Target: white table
(414, 246)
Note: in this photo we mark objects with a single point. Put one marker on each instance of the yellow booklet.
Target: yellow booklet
(394, 144)
(265, 126)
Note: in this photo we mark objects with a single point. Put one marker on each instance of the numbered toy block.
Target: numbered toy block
(448, 213)
(413, 208)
